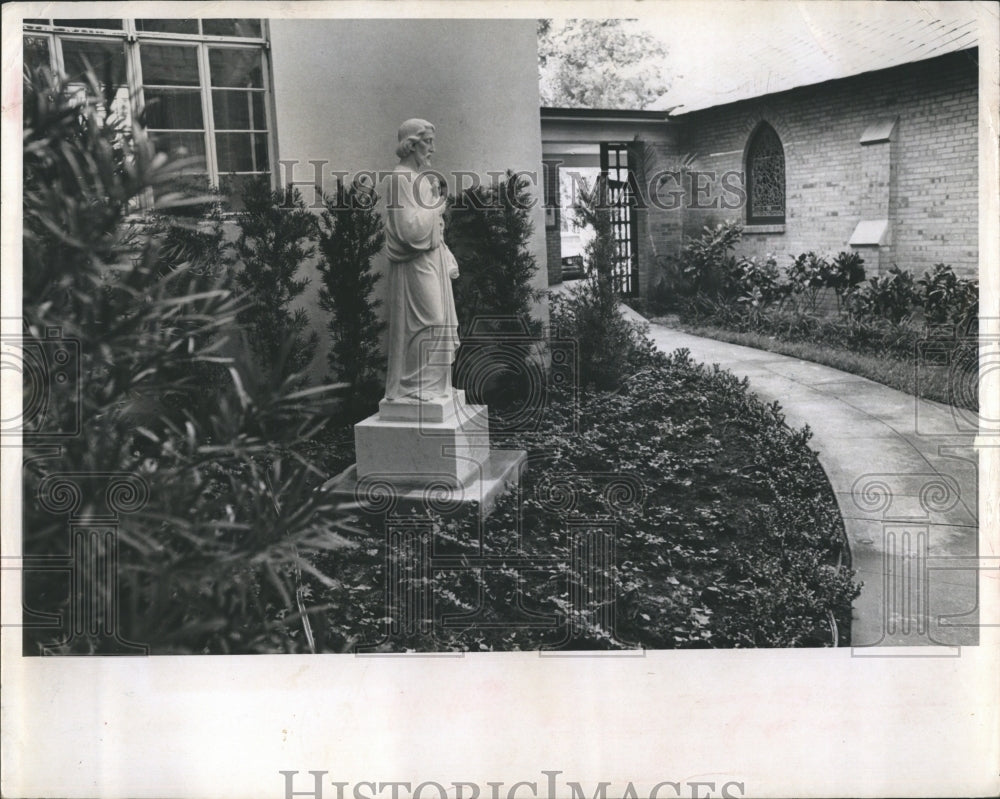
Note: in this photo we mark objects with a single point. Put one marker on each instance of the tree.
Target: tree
(598, 63)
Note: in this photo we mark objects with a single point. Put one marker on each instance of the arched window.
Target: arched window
(765, 178)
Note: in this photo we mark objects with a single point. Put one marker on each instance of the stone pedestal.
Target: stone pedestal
(414, 456)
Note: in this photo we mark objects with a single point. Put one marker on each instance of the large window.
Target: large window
(200, 86)
(765, 178)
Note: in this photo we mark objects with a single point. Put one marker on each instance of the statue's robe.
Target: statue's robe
(423, 326)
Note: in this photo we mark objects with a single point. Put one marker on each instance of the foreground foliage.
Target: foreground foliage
(187, 526)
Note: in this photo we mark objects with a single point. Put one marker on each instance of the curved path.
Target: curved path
(905, 474)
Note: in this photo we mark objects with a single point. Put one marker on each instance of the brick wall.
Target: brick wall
(660, 224)
(931, 199)
(553, 252)
(553, 241)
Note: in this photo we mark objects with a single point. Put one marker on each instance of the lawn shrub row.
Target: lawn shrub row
(708, 273)
(888, 316)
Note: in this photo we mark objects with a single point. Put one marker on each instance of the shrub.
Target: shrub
(589, 314)
(757, 285)
(890, 296)
(707, 264)
(276, 239)
(489, 231)
(806, 276)
(191, 237)
(845, 272)
(351, 234)
(948, 298)
(217, 521)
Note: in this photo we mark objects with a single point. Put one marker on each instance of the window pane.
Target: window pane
(182, 145)
(242, 152)
(232, 187)
(37, 21)
(260, 151)
(107, 59)
(174, 108)
(236, 67)
(232, 27)
(167, 25)
(169, 65)
(238, 110)
(36, 52)
(99, 24)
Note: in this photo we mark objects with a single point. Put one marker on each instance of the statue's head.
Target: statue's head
(416, 135)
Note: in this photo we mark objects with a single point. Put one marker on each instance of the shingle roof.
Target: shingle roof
(809, 44)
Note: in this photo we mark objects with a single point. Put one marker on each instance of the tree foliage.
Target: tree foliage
(598, 63)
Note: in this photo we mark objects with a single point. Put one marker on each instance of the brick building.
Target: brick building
(882, 161)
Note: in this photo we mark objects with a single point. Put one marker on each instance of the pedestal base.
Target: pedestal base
(378, 496)
(432, 456)
(446, 440)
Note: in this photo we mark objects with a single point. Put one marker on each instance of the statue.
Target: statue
(423, 326)
(425, 439)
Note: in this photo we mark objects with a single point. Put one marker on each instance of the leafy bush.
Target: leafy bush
(845, 272)
(707, 263)
(890, 296)
(758, 285)
(276, 239)
(192, 237)
(947, 297)
(217, 524)
(351, 234)
(806, 276)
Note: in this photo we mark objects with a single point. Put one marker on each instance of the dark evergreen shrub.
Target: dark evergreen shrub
(489, 230)
(589, 314)
(948, 298)
(277, 234)
(350, 235)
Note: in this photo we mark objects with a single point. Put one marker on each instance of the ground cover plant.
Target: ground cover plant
(725, 530)
(824, 310)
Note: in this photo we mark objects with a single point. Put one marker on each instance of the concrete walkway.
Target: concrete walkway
(905, 475)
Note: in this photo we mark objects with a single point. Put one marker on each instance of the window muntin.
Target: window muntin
(201, 85)
(765, 178)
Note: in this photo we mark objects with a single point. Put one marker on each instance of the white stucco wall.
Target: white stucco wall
(342, 87)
